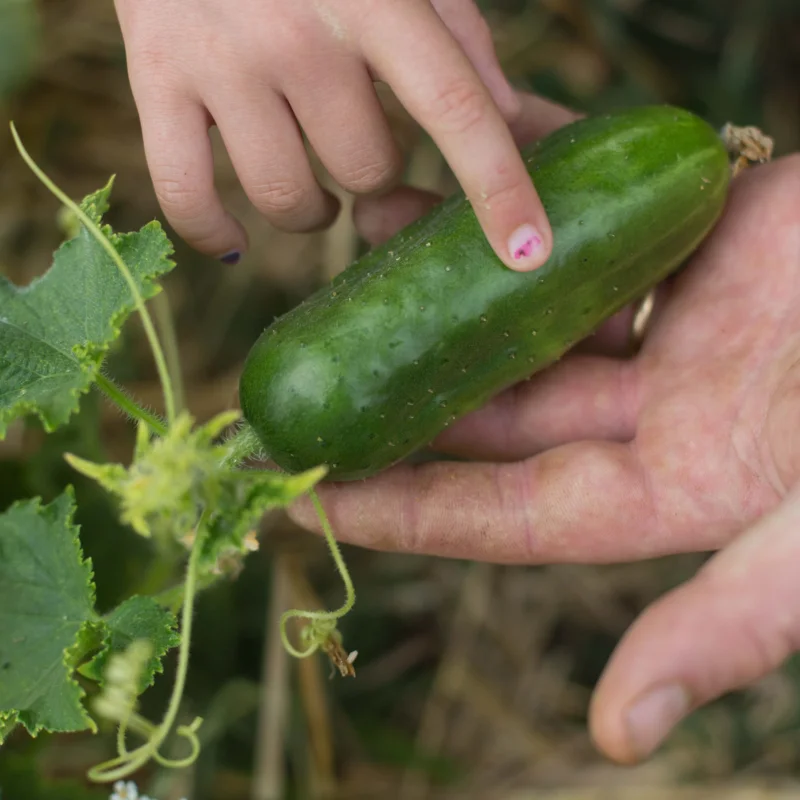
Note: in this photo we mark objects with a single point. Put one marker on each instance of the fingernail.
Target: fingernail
(231, 258)
(653, 716)
(524, 247)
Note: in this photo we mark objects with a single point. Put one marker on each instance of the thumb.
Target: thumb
(736, 621)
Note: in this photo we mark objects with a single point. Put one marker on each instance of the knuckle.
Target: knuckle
(505, 190)
(414, 531)
(758, 643)
(279, 197)
(765, 647)
(180, 198)
(369, 176)
(150, 57)
(459, 106)
(155, 66)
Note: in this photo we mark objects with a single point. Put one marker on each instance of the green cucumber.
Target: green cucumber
(430, 325)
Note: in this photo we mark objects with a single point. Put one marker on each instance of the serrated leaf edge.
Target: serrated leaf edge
(68, 513)
(174, 639)
(89, 359)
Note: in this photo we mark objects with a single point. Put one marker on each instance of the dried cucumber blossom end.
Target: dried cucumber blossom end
(748, 145)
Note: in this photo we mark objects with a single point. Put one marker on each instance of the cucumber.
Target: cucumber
(430, 325)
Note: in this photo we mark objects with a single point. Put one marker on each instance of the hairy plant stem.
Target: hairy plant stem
(128, 761)
(243, 444)
(129, 405)
(166, 325)
(322, 624)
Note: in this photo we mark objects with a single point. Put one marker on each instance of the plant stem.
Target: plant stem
(166, 325)
(187, 617)
(243, 444)
(341, 567)
(322, 624)
(138, 300)
(128, 405)
(129, 761)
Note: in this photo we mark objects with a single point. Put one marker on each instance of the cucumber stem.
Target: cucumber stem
(127, 404)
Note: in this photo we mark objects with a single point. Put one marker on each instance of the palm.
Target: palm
(713, 429)
(601, 458)
(688, 446)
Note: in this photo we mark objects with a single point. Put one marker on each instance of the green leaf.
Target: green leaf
(47, 618)
(55, 333)
(8, 722)
(242, 499)
(170, 478)
(173, 478)
(96, 204)
(136, 618)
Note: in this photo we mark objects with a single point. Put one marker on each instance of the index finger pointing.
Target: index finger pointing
(412, 50)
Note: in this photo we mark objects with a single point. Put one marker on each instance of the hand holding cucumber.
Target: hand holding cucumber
(692, 445)
(263, 69)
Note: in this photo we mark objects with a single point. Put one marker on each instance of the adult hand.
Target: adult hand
(692, 445)
(262, 69)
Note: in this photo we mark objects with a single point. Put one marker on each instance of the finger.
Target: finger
(469, 28)
(346, 125)
(180, 160)
(587, 502)
(612, 338)
(539, 117)
(434, 80)
(268, 154)
(733, 623)
(582, 397)
(379, 218)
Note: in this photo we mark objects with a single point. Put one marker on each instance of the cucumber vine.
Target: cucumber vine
(321, 630)
(188, 488)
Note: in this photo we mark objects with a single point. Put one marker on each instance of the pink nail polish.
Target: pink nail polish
(523, 244)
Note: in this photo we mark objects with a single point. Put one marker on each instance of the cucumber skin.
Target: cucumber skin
(430, 325)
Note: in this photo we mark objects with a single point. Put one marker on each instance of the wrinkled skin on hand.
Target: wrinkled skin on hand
(692, 445)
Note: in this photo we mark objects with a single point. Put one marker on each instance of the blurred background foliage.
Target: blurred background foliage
(19, 39)
(473, 680)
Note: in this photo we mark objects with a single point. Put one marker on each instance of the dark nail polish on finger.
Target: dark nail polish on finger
(231, 258)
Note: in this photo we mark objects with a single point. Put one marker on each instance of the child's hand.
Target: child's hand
(263, 69)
